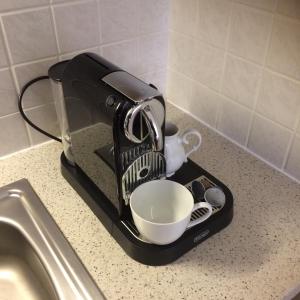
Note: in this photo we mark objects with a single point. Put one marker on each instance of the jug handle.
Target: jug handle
(184, 139)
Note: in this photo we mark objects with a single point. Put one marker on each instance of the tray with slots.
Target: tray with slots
(195, 215)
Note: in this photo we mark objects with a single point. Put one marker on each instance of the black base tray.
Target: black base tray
(140, 251)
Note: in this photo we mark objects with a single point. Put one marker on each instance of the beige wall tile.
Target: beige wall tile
(30, 35)
(17, 4)
(196, 59)
(133, 33)
(118, 20)
(213, 21)
(180, 53)
(284, 51)
(41, 92)
(279, 99)
(8, 94)
(289, 8)
(204, 103)
(3, 56)
(293, 163)
(240, 80)
(96, 50)
(179, 89)
(45, 118)
(269, 140)
(249, 32)
(152, 52)
(207, 63)
(264, 4)
(234, 121)
(71, 35)
(153, 16)
(124, 54)
(184, 16)
(157, 78)
(13, 135)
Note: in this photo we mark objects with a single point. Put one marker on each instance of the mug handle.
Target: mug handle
(204, 217)
(185, 140)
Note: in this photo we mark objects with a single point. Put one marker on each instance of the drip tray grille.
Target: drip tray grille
(202, 211)
(129, 224)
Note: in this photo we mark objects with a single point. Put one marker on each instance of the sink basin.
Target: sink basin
(36, 261)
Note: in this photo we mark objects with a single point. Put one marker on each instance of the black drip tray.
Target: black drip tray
(206, 183)
(124, 231)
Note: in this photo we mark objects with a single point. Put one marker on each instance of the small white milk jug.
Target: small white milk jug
(175, 154)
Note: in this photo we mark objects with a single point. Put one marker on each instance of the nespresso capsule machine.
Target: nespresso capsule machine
(112, 127)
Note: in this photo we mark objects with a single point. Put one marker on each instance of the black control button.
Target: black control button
(198, 191)
(144, 172)
(110, 100)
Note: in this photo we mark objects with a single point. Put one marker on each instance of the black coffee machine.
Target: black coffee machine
(112, 127)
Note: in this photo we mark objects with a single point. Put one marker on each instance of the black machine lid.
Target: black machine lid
(130, 86)
(56, 71)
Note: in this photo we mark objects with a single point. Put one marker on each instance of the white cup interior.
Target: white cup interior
(162, 202)
(170, 129)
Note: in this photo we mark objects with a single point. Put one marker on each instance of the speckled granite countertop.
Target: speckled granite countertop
(256, 257)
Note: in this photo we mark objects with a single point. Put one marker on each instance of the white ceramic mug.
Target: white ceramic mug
(161, 210)
(175, 154)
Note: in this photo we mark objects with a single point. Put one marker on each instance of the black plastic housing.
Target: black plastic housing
(95, 114)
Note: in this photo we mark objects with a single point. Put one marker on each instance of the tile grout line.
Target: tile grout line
(29, 62)
(70, 3)
(6, 43)
(285, 76)
(260, 80)
(51, 5)
(256, 7)
(232, 100)
(198, 39)
(40, 60)
(247, 150)
(99, 23)
(7, 68)
(167, 52)
(74, 52)
(13, 73)
(40, 7)
(237, 56)
(24, 150)
(290, 144)
(137, 59)
(24, 10)
(253, 108)
(28, 109)
(219, 106)
(55, 31)
(37, 7)
(292, 137)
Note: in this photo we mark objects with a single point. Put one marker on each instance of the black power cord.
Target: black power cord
(24, 88)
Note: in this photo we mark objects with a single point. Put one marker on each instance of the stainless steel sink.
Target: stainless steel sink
(36, 261)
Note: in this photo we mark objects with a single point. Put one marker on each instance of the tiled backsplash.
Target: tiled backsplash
(34, 34)
(235, 65)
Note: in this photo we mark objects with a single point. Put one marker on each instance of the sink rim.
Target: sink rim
(22, 208)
